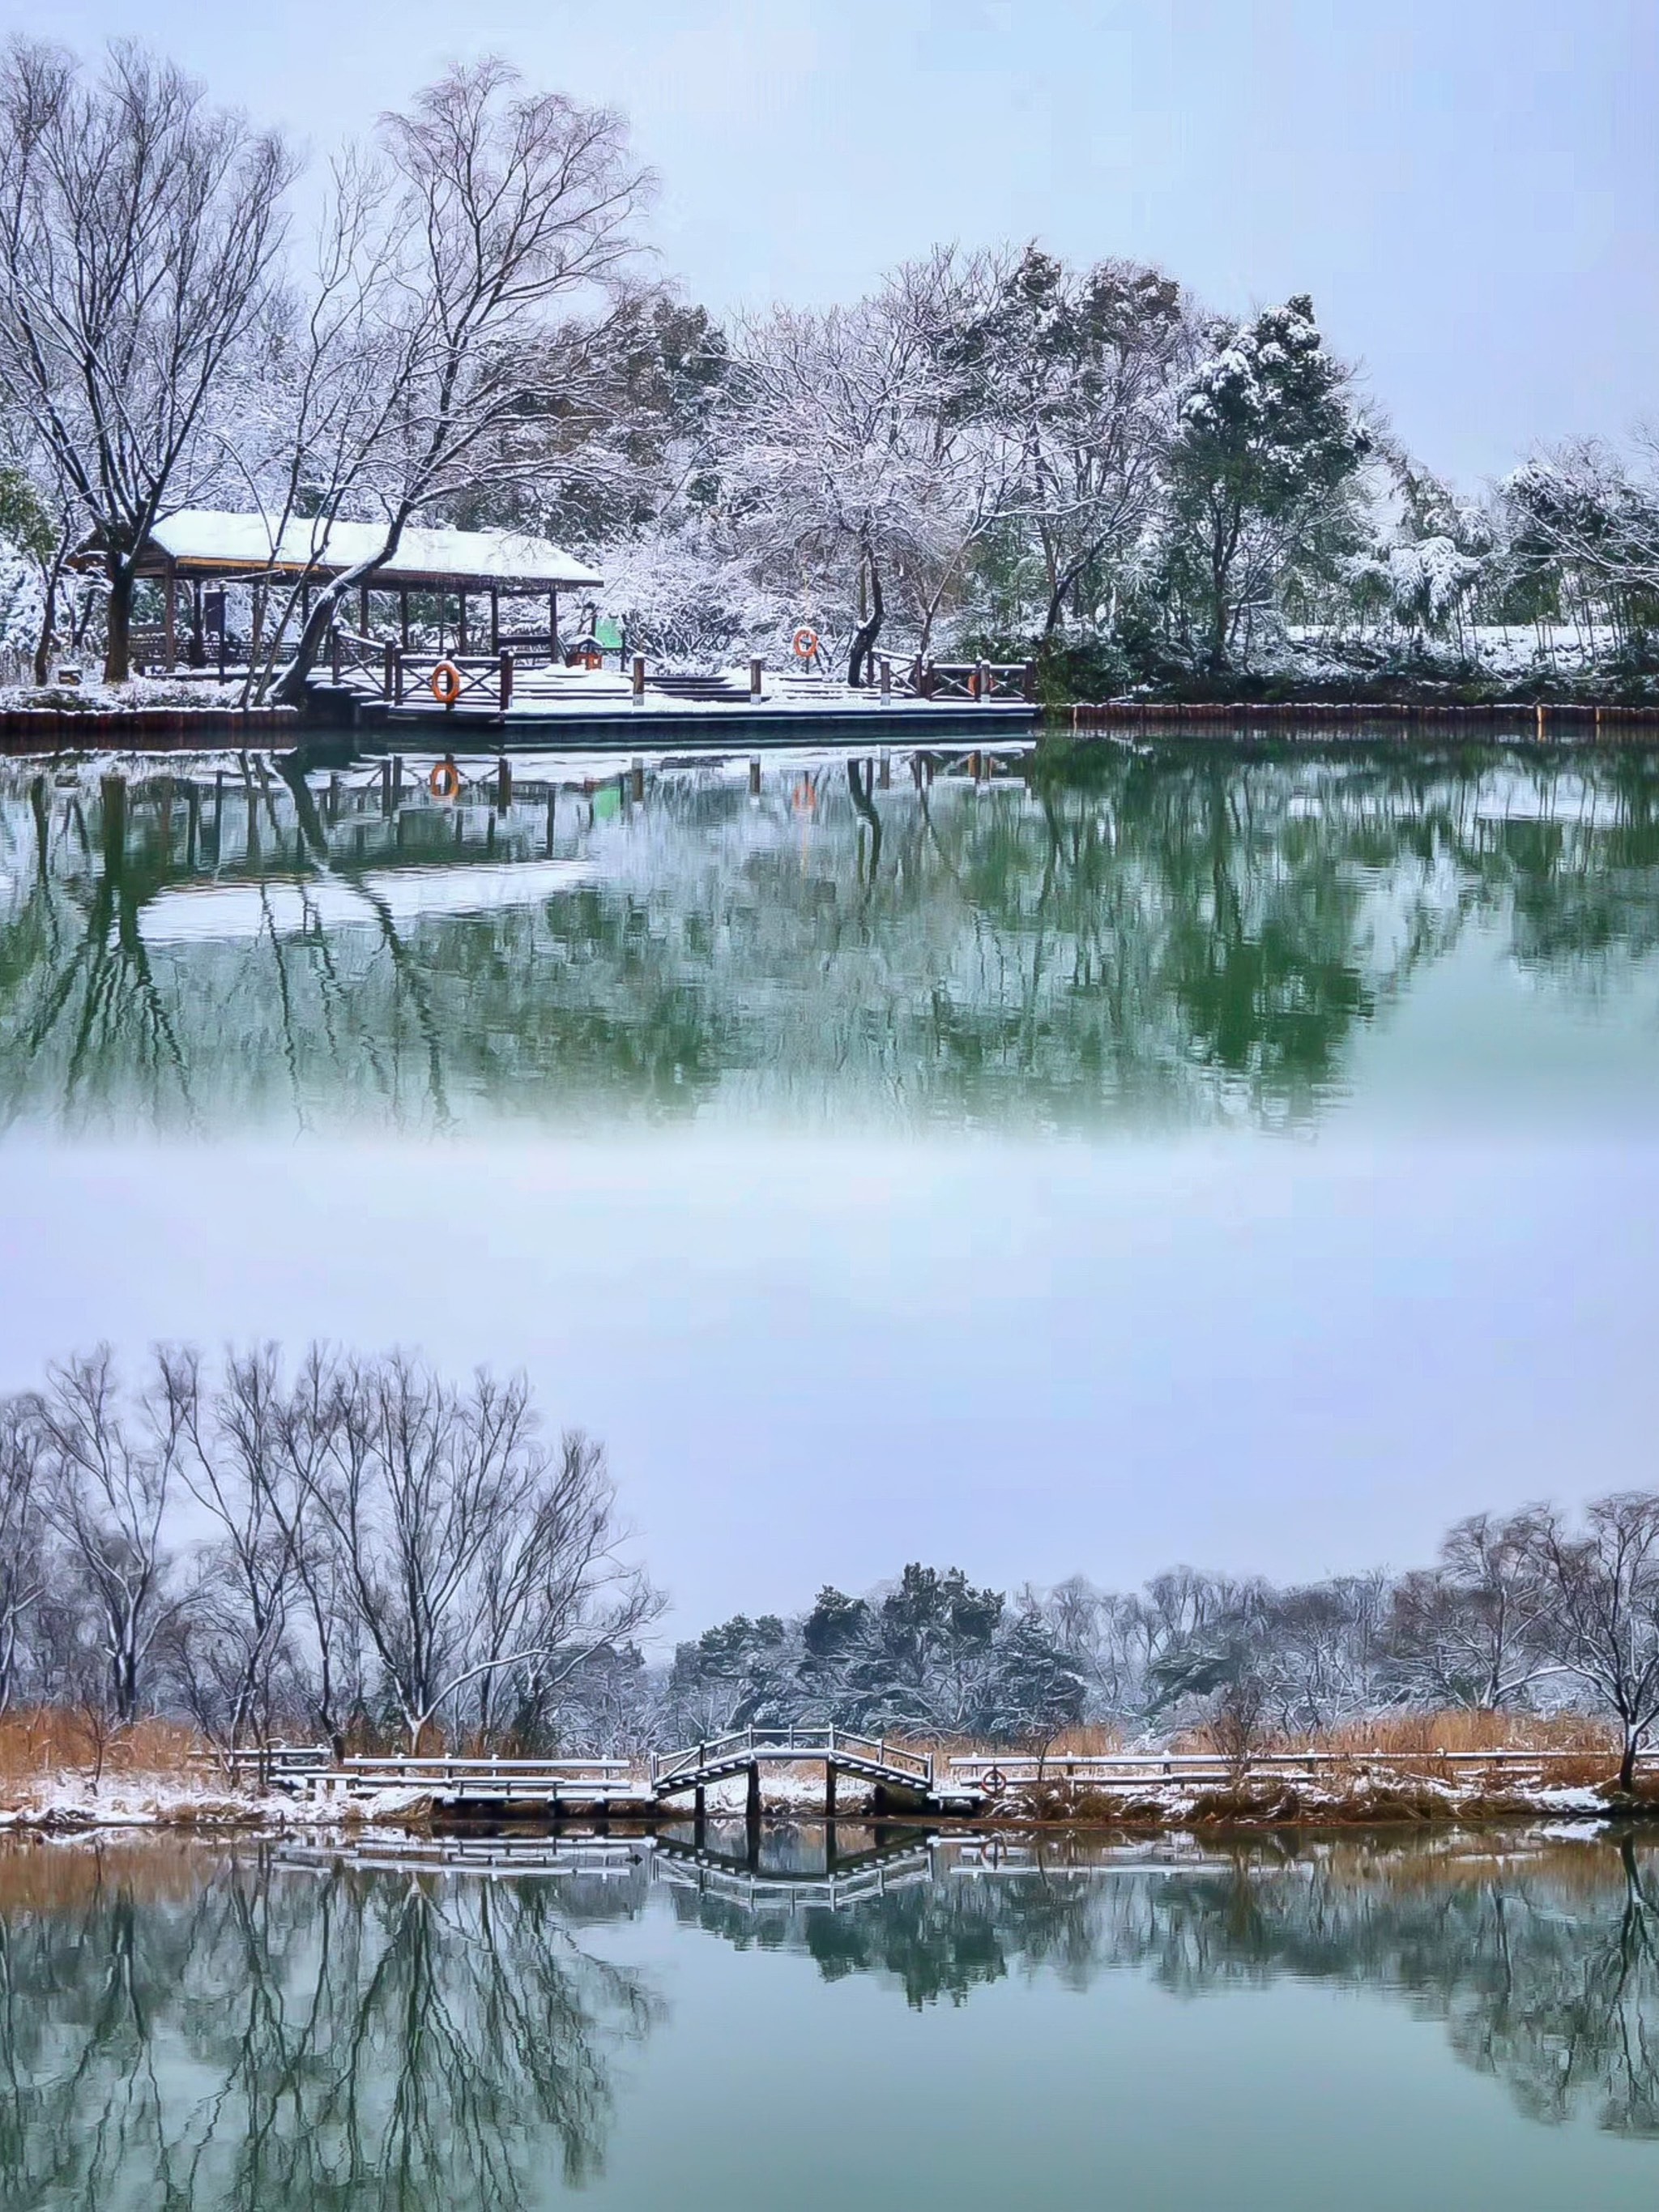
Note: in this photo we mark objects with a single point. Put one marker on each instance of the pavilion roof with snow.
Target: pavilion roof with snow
(200, 546)
(205, 543)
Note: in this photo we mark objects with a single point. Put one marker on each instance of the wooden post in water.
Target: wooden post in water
(829, 1790)
(193, 822)
(699, 1814)
(550, 821)
(751, 1804)
(636, 778)
(504, 785)
(756, 673)
(506, 658)
(884, 779)
(754, 775)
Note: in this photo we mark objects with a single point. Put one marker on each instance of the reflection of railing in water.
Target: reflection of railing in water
(847, 1879)
(852, 1881)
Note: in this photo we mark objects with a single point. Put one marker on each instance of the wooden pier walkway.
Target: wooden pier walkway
(373, 683)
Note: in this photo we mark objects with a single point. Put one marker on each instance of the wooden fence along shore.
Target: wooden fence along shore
(500, 693)
(901, 1780)
(1574, 721)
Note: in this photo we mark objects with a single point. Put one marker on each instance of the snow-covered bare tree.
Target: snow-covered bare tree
(851, 464)
(496, 254)
(1078, 371)
(1474, 1630)
(139, 236)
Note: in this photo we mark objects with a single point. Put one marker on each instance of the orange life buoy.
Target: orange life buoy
(446, 683)
(444, 780)
(806, 642)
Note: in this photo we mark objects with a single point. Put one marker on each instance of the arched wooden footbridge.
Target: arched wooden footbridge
(898, 1780)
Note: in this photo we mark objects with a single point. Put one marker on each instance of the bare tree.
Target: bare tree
(852, 458)
(139, 233)
(500, 210)
(107, 1477)
(234, 1630)
(1602, 1618)
(465, 1547)
(555, 1590)
(1474, 1630)
(20, 1563)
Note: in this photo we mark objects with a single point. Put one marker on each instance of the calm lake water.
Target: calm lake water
(1162, 940)
(1368, 2022)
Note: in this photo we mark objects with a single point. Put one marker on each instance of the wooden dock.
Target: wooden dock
(374, 685)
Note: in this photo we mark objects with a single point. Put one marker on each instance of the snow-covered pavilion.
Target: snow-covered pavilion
(203, 547)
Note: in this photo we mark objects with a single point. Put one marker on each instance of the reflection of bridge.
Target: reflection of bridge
(847, 1877)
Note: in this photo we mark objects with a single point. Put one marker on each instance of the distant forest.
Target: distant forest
(991, 452)
(362, 1551)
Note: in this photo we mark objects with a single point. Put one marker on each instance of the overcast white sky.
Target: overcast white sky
(1467, 187)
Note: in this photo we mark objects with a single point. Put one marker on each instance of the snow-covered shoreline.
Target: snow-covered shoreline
(70, 1803)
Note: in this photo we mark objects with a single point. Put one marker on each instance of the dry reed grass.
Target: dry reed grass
(45, 1743)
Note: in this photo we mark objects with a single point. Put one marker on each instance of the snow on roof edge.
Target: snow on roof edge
(229, 539)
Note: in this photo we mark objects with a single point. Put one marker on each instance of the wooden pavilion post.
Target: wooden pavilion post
(495, 619)
(363, 610)
(169, 618)
(553, 622)
(403, 615)
(460, 624)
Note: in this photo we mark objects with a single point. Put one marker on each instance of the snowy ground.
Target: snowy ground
(69, 1801)
(92, 696)
(164, 1801)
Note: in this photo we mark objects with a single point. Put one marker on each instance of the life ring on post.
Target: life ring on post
(444, 780)
(806, 642)
(446, 683)
(993, 1782)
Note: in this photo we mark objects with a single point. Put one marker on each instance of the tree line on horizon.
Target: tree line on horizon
(362, 1551)
(992, 451)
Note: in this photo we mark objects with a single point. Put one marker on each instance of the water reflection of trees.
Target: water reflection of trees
(264, 2040)
(1195, 934)
(1541, 1960)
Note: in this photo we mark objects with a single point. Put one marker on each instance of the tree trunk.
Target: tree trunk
(1627, 1764)
(48, 637)
(864, 636)
(118, 625)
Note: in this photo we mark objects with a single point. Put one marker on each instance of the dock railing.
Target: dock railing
(393, 673)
